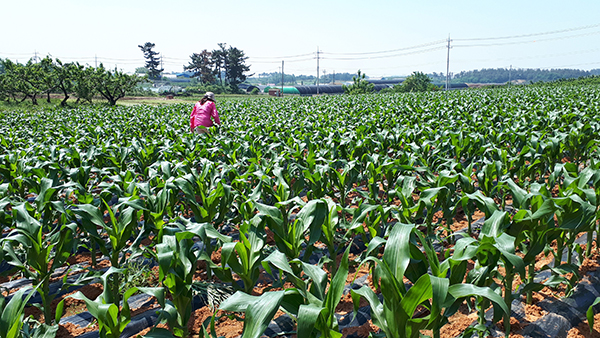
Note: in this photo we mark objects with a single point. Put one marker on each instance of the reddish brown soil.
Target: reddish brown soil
(583, 329)
(362, 331)
(72, 306)
(224, 326)
(590, 263)
(85, 257)
(70, 330)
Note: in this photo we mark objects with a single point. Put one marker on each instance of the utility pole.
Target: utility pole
(96, 60)
(509, 74)
(317, 70)
(35, 58)
(448, 65)
(281, 78)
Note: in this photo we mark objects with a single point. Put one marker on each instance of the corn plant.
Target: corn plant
(212, 240)
(312, 301)
(40, 247)
(343, 179)
(213, 200)
(290, 239)
(395, 314)
(12, 313)
(118, 229)
(245, 256)
(318, 315)
(177, 259)
(113, 316)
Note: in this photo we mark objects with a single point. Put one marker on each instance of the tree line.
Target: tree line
(19, 82)
(225, 65)
(502, 75)
(416, 82)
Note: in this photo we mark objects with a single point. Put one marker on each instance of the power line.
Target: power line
(532, 34)
(280, 57)
(386, 56)
(433, 43)
(303, 60)
(542, 56)
(529, 41)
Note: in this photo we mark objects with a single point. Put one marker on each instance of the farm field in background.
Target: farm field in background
(433, 214)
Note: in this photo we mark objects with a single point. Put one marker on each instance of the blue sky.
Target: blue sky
(382, 38)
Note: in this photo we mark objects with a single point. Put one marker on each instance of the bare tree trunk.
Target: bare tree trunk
(64, 101)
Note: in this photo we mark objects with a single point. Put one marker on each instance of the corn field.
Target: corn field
(289, 179)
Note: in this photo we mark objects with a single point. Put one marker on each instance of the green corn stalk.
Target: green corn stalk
(12, 313)
(119, 231)
(40, 247)
(313, 300)
(113, 316)
(207, 234)
(244, 257)
(394, 316)
(177, 261)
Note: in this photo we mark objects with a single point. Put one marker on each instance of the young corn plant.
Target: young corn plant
(291, 238)
(395, 314)
(493, 247)
(12, 313)
(177, 258)
(343, 179)
(112, 315)
(156, 205)
(245, 256)
(312, 301)
(213, 201)
(41, 246)
(118, 229)
(212, 241)
(317, 177)
(405, 187)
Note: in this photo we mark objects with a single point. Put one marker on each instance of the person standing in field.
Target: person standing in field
(204, 111)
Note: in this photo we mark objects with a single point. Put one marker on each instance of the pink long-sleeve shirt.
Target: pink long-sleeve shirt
(201, 115)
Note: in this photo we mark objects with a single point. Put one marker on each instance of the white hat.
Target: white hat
(210, 95)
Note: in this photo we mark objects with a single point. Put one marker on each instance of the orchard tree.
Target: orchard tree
(202, 66)
(83, 82)
(3, 82)
(65, 79)
(360, 85)
(33, 79)
(152, 60)
(11, 85)
(114, 85)
(49, 76)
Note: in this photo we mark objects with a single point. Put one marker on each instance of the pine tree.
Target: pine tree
(152, 61)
